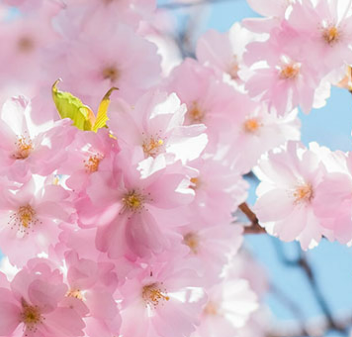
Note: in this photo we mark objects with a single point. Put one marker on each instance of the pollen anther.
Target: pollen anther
(92, 164)
(24, 147)
(331, 35)
(25, 218)
(290, 71)
(251, 125)
(30, 316)
(152, 146)
(195, 114)
(192, 241)
(303, 193)
(133, 201)
(152, 294)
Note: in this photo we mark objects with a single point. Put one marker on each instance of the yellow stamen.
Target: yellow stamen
(195, 114)
(75, 293)
(92, 164)
(192, 241)
(290, 71)
(25, 218)
(251, 125)
(152, 294)
(30, 315)
(133, 201)
(211, 309)
(151, 147)
(303, 193)
(331, 35)
(24, 147)
(194, 183)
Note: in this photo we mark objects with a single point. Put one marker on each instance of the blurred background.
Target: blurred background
(307, 291)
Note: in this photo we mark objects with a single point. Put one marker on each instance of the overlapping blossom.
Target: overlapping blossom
(128, 213)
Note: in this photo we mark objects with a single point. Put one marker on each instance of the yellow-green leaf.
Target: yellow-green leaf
(72, 107)
(102, 115)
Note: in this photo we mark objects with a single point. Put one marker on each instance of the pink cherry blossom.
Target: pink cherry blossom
(328, 26)
(271, 8)
(282, 76)
(228, 308)
(210, 249)
(209, 101)
(333, 199)
(261, 131)
(88, 154)
(128, 62)
(167, 301)
(218, 192)
(94, 283)
(89, 13)
(34, 304)
(31, 216)
(25, 148)
(155, 125)
(224, 51)
(25, 39)
(129, 210)
(286, 195)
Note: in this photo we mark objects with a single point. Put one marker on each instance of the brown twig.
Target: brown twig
(254, 228)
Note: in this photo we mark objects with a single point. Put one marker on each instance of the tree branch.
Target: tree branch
(254, 228)
(328, 322)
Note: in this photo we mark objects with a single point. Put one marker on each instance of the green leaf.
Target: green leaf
(72, 107)
(102, 115)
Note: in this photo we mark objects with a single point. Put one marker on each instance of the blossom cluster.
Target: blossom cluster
(121, 223)
(304, 194)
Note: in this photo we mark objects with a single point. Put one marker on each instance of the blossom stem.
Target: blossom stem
(254, 228)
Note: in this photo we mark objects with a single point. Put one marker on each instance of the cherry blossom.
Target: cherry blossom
(34, 304)
(286, 195)
(31, 217)
(27, 148)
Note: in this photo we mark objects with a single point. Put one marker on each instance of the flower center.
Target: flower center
(25, 44)
(290, 71)
(24, 147)
(192, 241)
(111, 73)
(25, 218)
(92, 164)
(234, 68)
(194, 183)
(331, 35)
(75, 293)
(195, 114)
(151, 147)
(30, 315)
(133, 201)
(211, 309)
(152, 294)
(251, 125)
(303, 193)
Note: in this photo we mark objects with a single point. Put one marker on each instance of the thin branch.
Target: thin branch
(328, 323)
(332, 325)
(291, 305)
(254, 228)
